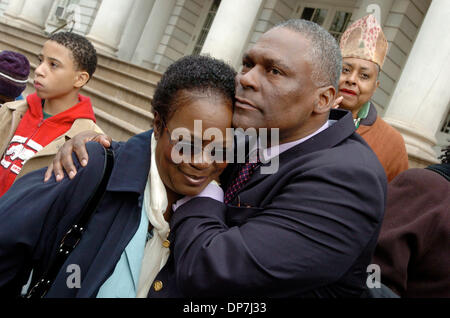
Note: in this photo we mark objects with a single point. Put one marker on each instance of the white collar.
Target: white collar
(269, 153)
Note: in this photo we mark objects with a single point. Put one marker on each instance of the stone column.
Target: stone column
(153, 32)
(14, 8)
(231, 29)
(422, 95)
(134, 28)
(34, 14)
(12, 12)
(109, 24)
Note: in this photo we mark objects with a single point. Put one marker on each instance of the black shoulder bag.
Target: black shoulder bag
(71, 239)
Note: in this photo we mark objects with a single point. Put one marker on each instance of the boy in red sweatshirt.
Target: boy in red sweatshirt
(32, 131)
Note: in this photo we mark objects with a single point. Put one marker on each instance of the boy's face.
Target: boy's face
(56, 74)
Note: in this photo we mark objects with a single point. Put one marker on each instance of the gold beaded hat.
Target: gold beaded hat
(365, 39)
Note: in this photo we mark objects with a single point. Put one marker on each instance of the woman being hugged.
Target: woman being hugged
(125, 242)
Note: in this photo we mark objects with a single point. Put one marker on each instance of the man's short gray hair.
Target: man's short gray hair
(325, 54)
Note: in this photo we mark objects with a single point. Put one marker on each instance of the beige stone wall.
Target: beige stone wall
(401, 28)
(180, 31)
(273, 12)
(3, 5)
(120, 92)
(88, 10)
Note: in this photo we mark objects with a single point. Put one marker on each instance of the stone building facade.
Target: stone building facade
(151, 34)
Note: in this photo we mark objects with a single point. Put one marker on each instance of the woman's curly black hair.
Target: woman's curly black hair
(194, 73)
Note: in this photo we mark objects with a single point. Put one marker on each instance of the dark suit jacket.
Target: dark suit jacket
(309, 230)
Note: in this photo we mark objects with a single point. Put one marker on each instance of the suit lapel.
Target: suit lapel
(328, 138)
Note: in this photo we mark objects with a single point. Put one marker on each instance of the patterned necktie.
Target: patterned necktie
(242, 178)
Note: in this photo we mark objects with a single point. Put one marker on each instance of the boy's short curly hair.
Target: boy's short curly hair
(83, 52)
(194, 73)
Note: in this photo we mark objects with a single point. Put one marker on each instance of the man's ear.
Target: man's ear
(81, 79)
(157, 125)
(326, 96)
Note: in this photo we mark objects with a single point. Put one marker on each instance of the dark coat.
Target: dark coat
(308, 230)
(34, 216)
(413, 250)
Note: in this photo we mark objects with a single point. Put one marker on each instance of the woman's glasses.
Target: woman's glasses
(188, 149)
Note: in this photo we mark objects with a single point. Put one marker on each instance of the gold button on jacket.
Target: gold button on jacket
(157, 285)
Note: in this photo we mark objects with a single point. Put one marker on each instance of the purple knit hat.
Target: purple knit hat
(14, 71)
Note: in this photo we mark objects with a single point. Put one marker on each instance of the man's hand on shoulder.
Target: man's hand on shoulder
(63, 159)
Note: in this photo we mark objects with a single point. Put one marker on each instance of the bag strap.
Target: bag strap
(71, 239)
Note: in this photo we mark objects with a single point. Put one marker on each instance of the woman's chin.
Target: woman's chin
(190, 190)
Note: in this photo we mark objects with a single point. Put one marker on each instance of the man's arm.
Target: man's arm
(63, 159)
(308, 237)
(34, 215)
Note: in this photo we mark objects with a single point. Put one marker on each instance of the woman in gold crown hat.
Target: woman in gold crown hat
(364, 47)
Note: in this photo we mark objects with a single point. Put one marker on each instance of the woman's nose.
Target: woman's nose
(351, 78)
(201, 161)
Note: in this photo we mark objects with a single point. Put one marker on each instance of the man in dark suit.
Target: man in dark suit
(309, 228)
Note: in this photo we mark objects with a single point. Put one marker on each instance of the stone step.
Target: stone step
(106, 83)
(141, 96)
(128, 69)
(116, 128)
(116, 117)
(120, 92)
(127, 83)
(135, 116)
(112, 98)
(36, 40)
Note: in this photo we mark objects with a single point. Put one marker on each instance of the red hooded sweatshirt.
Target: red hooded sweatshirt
(34, 133)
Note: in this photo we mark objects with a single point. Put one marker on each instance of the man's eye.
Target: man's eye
(274, 71)
(246, 64)
(54, 65)
(345, 70)
(365, 76)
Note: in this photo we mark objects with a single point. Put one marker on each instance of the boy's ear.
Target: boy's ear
(325, 99)
(81, 79)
